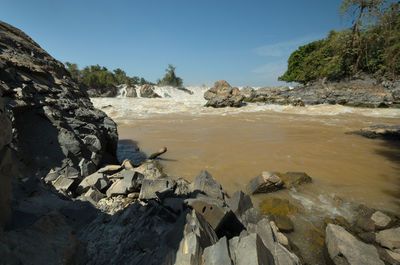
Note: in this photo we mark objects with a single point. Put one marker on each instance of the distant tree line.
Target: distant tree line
(99, 77)
(372, 46)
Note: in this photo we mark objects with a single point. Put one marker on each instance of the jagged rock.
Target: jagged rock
(343, 248)
(380, 220)
(294, 179)
(251, 216)
(218, 254)
(250, 250)
(389, 257)
(127, 164)
(87, 167)
(131, 181)
(63, 183)
(223, 95)
(110, 169)
(147, 91)
(182, 187)
(151, 186)
(208, 185)
(93, 143)
(96, 180)
(94, 196)
(239, 203)
(281, 238)
(149, 170)
(389, 238)
(265, 182)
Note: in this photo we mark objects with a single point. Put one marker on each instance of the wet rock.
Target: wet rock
(218, 254)
(147, 91)
(208, 185)
(281, 238)
(150, 187)
(223, 95)
(380, 220)
(343, 248)
(338, 220)
(389, 238)
(250, 250)
(131, 92)
(265, 182)
(271, 205)
(96, 180)
(294, 179)
(367, 237)
(239, 203)
(283, 223)
(381, 131)
(365, 223)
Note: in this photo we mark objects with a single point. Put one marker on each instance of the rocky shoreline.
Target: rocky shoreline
(359, 91)
(65, 199)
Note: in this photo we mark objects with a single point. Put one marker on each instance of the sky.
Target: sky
(243, 42)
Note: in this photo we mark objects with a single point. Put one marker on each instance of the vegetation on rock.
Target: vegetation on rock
(170, 78)
(372, 46)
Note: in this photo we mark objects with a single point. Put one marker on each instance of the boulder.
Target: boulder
(294, 179)
(63, 183)
(283, 223)
(218, 254)
(239, 203)
(205, 183)
(281, 238)
(96, 180)
(87, 167)
(250, 250)
(265, 182)
(150, 170)
(389, 238)
(272, 205)
(131, 92)
(131, 181)
(110, 169)
(380, 220)
(390, 132)
(343, 248)
(94, 196)
(223, 95)
(147, 91)
(150, 187)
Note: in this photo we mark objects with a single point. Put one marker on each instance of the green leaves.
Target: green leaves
(170, 78)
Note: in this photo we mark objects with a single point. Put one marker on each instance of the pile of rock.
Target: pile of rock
(223, 95)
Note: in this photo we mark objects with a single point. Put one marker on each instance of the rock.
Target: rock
(265, 182)
(365, 223)
(271, 205)
(131, 92)
(158, 153)
(220, 217)
(87, 167)
(150, 170)
(151, 186)
(283, 223)
(239, 203)
(221, 84)
(93, 143)
(391, 257)
(294, 179)
(127, 164)
(220, 97)
(281, 238)
(63, 184)
(390, 132)
(208, 185)
(182, 187)
(367, 237)
(147, 91)
(380, 220)
(96, 180)
(389, 238)
(94, 196)
(343, 248)
(131, 181)
(110, 169)
(250, 250)
(218, 254)
(251, 216)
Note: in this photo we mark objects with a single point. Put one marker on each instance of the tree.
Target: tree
(170, 78)
(361, 10)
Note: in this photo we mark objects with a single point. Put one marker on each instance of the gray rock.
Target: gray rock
(93, 143)
(96, 180)
(380, 220)
(94, 196)
(147, 91)
(131, 92)
(239, 203)
(391, 132)
(294, 179)
(63, 184)
(389, 238)
(208, 185)
(250, 250)
(343, 248)
(87, 167)
(223, 95)
(149, 170)
(131, 181)
(151, 186)
(218, 254)
(110, 169)
(265, 182)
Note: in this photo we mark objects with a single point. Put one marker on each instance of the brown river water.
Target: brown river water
(236, 145)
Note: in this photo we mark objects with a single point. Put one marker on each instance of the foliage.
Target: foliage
(373, 48)
(170, 78)
(99, 77)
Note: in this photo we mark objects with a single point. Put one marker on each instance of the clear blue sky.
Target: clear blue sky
(243, 42)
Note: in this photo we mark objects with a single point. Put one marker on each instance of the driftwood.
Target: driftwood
(158, 153)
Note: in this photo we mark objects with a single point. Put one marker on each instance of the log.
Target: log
(158, 153)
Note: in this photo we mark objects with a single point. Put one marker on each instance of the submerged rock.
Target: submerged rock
(294, 179)
(271, 205)
(381, 131)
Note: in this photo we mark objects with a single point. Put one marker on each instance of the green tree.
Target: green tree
(170, 78)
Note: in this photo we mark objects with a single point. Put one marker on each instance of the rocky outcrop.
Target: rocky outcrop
(386, 132)
(147, 91)
(223, 95)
